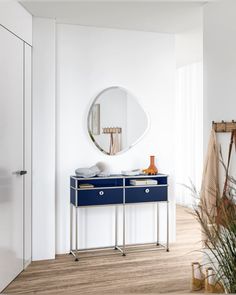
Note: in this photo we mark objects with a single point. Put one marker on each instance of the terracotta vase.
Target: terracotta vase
(152, 169)
(211, 284)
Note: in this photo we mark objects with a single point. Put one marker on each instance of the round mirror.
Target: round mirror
(116, 121)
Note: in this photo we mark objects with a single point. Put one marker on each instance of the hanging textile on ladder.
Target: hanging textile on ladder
(226, 206)
(210, 179)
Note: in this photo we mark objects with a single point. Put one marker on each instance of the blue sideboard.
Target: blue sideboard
(116, 190)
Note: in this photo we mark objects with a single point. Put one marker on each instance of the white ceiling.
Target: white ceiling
(155, 16)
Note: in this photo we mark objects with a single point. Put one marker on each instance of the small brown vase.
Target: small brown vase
(198, 278)
(152, 169)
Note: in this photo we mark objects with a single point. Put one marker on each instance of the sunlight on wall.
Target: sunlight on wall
(188, 131)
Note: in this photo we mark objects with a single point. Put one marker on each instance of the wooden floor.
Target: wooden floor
(148, 272)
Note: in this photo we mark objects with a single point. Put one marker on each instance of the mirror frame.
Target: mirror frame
(90, 112)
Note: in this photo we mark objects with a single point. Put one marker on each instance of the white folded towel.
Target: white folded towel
(88, 172)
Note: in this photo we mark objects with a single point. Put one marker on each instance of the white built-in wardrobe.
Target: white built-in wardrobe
(15, 155)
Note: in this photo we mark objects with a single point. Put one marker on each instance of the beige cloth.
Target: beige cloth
(210, 178)
(114, 143)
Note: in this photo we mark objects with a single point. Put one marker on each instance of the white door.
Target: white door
(11, 157)
(27, 155)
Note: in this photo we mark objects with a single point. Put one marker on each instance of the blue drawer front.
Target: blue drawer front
(146, 194)
(100, 197)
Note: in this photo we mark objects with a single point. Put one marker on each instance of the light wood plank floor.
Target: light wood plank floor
(148, 272)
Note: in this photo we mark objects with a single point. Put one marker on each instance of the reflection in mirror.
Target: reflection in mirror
(116, 121)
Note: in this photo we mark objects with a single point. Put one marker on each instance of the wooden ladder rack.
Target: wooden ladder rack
(111, 130)
(224, 126)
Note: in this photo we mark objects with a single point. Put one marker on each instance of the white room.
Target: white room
(107, 111)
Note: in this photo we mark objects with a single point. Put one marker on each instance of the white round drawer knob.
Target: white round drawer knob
(101, 193)
(147, 190)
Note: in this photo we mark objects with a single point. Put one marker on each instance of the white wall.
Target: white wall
(16, 19)
(89, 60)
(219, 66)
(43, 207)
(189, 47)
(189, 42)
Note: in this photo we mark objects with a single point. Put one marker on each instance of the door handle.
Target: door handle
(21, 172)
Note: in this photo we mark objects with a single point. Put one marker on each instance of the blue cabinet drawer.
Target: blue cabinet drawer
(146, 194)
(100, 197)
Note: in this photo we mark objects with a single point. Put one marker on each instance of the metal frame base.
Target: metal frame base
(129, 247)
(121, 248)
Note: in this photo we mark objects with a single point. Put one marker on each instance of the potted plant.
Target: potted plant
(219, 235)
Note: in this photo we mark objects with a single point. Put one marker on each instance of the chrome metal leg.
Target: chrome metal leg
(124, 254)
(71, 228)
(76, 234)
(158, 232)
(116, 226)
(167, 238)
